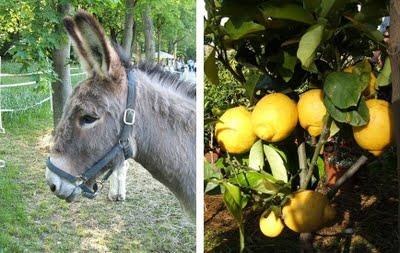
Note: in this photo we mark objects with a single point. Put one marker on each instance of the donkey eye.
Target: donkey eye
(87, 119)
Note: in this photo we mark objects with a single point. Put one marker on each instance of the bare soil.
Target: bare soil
(367, 209)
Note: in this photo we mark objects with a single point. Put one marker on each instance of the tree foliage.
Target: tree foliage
(27, 27)
(290, 46)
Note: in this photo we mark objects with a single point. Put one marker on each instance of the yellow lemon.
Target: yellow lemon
(311, 111)
(307, 211)
(274, 117)
(234, 131)
(377, 134)
(372, 85)
(270, 224)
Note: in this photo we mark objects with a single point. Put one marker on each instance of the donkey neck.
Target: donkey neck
(165, 136)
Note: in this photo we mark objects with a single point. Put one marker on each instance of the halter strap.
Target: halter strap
(122, 145)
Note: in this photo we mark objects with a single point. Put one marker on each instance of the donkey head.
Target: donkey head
(92, 116)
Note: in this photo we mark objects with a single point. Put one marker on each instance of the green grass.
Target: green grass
(15, 98)
(34, 220)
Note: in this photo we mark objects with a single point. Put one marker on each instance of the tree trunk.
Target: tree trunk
(394, 50)
(61, 87)
(171, 47)
(128, 28)
(134, 44)
(138, 52)
(148, 32)
(113, 35)
(175, 49)
(159, 46)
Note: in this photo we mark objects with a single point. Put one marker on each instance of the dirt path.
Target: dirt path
(150, 220)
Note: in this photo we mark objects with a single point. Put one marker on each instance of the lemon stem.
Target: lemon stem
(322, 139)
(348, 174)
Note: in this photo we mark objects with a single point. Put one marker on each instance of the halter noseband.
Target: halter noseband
(121, 146)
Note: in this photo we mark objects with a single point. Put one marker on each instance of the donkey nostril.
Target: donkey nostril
(53, 188)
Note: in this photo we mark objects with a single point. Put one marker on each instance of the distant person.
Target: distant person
(191, 65)
(178, 65)
(183, 65)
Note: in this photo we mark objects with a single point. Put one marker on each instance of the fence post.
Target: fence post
(2, 162)
(2, 131)
(51, 96)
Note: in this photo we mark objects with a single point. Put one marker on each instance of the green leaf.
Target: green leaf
(277, 162)
(286, 70)
(344, 89)
(330, 6)
(321, 167)
(308, 45)
(238, 29)
(251, 81)
(363, 71)
(210, 186)
(256, 157)
(311, 5)
(385, 76)
(369, 30)
(287, 11)
(334, 129)
(258, 181)
(239, 9)
(356, 116)
(233, 200)
(213, 170)
(210, 68)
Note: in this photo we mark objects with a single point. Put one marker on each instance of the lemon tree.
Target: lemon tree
(307, 75)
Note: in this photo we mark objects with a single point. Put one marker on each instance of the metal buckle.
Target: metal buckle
(133, 115)
(100, 185)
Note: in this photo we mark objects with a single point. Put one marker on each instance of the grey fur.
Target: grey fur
(164, 135)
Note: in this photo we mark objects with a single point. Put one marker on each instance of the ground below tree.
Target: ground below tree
(367, 204)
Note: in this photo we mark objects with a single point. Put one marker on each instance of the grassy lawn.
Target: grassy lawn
(34, 220)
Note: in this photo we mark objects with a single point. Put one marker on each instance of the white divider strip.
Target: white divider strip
(29, 74)
(24, 74)
(78, 74)
(26, 108)
(16, 84)
(31, 83)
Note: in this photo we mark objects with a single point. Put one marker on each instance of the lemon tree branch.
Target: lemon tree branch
(301, 152)
(322, 139)
(348, 174)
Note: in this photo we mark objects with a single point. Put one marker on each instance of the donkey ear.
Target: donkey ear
(73, 32)
(92, 45)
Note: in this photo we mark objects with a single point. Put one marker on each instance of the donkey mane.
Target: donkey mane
(156, 73)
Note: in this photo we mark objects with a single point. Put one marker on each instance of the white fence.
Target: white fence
(2, 131)
(30, 83)
(24, 107)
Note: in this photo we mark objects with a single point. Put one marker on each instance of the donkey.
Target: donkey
(158, 123)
